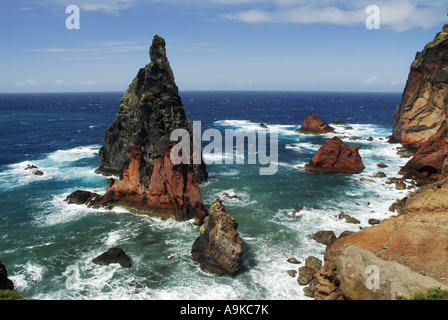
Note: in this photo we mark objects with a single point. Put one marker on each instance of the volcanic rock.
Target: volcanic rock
(423, 109)
(409, 250)
(326, 237)
(335, 156)
(219, 248)
(137, 147)
(306, 274)
(431, 158)
(81, 197)
(113, 255)
(5, 283)
(314, 125)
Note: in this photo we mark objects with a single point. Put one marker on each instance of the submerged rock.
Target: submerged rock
(335, 156)
(314, 125)
(219, 247)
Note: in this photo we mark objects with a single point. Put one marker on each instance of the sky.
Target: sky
(275, 45)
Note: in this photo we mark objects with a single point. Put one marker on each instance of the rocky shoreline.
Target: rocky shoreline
(406, 253)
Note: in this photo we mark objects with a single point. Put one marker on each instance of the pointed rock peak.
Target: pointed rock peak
(157, 52)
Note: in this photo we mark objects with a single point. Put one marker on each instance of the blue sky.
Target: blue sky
(215, 44)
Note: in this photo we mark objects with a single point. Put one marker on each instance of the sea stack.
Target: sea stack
(137, 147)
(219, 247)
(420, 121)
(336, 157)
(314, 125)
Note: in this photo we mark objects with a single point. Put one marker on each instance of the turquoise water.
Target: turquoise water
(47, 245)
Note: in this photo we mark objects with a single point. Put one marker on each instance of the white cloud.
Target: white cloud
(28, 82)
(371, 80)
(398, 15)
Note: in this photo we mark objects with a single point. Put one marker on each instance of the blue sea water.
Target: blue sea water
(47, 245)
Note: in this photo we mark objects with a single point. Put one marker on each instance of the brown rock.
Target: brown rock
(306, 274)
(219, 247)
(431, 158)
(335, 156)
(314, 125)
(325, 237)
(417, 239)
(422, 111)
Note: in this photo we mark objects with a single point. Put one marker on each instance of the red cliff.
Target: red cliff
(173, 191)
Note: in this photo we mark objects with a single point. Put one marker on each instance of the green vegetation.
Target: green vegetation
(147, 96)
(10, 295)
(431, 294)
(441, 36)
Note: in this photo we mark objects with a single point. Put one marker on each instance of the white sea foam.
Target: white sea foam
(74, 154)
(29, 274)
(246, 125)
(56, 165)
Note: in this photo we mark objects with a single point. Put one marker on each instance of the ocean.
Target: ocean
(48, 245)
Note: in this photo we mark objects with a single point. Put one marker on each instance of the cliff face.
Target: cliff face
(423, 109)
(421, 118)
(137, 147)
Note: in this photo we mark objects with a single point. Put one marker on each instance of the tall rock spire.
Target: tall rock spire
(137, 147)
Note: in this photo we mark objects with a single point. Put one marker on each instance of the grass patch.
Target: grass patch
(10, 295)
(431, 294)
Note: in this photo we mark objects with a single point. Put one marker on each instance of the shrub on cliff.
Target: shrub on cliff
(10, 295)
(431, 294)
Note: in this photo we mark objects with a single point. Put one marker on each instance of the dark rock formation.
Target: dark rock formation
(326, 237)
(423, 108)
(314, 125)
(335, 156)
(113, 255)
(306, 274)
(81, 197)
(137, 147)
(5, 283)
(219, 247)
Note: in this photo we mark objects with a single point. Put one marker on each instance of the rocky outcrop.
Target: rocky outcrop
(423, 108)
(410, 249)
(219, 248)
(314, 125)
(363, 276)
(431, 160)
(113, 255)
(335, 156)
(137, 147)
(420, 121)
(5, 283)
(81, 197)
